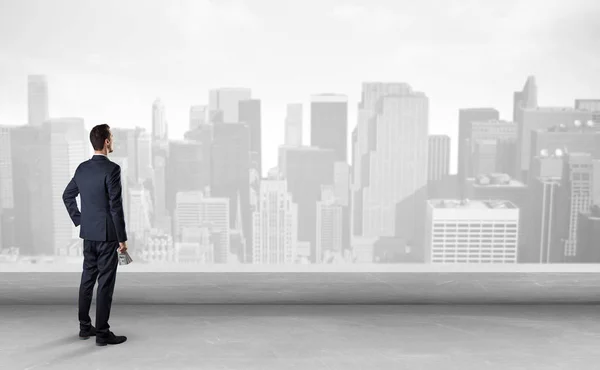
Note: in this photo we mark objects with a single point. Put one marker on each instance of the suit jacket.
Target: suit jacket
(98, 182)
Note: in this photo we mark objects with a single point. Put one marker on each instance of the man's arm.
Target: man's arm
(115, 200)
(69, 195)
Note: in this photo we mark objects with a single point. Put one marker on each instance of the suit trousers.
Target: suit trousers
(100, 261)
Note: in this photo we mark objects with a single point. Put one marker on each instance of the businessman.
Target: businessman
(98, 182)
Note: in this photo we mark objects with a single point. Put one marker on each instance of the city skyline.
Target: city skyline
(109, 80)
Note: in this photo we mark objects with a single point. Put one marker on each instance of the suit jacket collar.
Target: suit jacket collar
(99, 157)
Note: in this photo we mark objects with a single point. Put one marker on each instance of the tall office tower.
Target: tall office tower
(30, 147)
(439, 157)
(543, 118)
(330, 226)
(196, 210)
(394, 200)
(187, 169)
(364, 143)
(140, 211)
(506, 156)
(500, 186)
(249, 113)
(37, 93)
(484, 157)
(68, 148)
(543, 245)
(226, 100)
(7, 211)
(588, 234)
(483, 135)
(6, 170)
(159, 121)
(144, 156)
(582, 139)
(306, 169)
(198, 116)
(293, 125)
(472, 231)
(329, 123)
(341, 184)
(275, 224)
(135, 145)
(230, 166)
(591, 105)
(466, 117)
(576, 196)
(525, 99)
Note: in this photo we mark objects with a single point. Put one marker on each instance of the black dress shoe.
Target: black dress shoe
(111, 338)
(86, 334)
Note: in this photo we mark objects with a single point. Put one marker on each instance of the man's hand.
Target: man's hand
(122, 247)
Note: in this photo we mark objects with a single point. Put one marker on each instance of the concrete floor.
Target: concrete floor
(308, 337)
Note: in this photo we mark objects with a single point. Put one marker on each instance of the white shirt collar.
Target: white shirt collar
(104, 155)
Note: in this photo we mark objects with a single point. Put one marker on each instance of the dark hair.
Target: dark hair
(98, 136)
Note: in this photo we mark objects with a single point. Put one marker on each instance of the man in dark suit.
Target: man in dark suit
(98, 182)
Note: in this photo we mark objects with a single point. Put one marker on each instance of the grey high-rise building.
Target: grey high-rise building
(306, 169)
(580, 171)
(159, 121)
(543, 245)
(37, 102)
(466, 117)
(394, 200)
(198, 116)
(249, 113)
(582, 139)
(439, 157)
(293, 125)
(329, 123)
(543, 118)
(32, 197)
(525, 99)
(330, 225)
(187, 168)
(588, 234)
(591, 105)
(226, 101)
(364, 143)
(230, 172)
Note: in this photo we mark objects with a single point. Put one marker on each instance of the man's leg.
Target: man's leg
(86, 287)
(107, 267)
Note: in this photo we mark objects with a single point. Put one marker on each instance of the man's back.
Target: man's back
(99, 183)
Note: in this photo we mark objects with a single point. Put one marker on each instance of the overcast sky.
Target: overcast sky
(107, 61)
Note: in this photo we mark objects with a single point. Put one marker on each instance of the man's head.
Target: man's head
(101, 138)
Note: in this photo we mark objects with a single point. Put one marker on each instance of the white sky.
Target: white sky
(107, 61)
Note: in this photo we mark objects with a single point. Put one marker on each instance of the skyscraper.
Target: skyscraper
(187, 169)
(6, 170)
(466, 117)
(582, 139)
(543, 245)
(306, 169)
(471, 231)
(198, 116)
(525, 99)
(32, 197)
(439, 157)
(591, 105)
(394, 200)
(140, 211)
(364, 143)
(226, 100)
(293, 125)
(230, 169)
(197, 211)
(249, 113)
(576, 196)
(275, 224)
(329, 123)
(543, 118)
(159, 121)
(330, 226)
(68, 148)
(37, 93)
